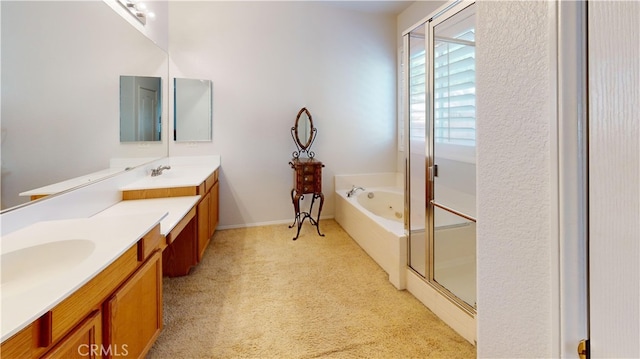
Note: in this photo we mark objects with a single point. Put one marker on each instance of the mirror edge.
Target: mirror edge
(209, 115)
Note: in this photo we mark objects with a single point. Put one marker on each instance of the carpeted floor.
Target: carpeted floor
(258, 294)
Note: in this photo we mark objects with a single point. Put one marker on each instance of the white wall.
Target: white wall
(515, 111)
(416, 13)
(266, 61)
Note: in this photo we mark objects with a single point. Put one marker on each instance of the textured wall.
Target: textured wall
(514, 110)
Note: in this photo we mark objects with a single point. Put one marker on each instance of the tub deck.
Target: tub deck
(383, 239)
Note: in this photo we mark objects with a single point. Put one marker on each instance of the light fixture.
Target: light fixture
(138, 10)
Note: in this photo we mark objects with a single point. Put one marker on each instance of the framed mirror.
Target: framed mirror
(303, 128)
(303, 133)
(60, 92)
(140, 108)
(192, 110)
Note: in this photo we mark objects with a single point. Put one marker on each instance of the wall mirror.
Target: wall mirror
(60, 91)
(303, 133)
(193, 110)
(140, 108)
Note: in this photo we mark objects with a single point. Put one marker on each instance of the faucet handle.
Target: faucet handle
(158, 171)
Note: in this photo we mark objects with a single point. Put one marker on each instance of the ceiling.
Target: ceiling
(379, 7)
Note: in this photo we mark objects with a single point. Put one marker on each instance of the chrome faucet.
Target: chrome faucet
(158, 171)
(353, 191)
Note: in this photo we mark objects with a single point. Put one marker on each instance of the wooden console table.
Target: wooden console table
(307, 179)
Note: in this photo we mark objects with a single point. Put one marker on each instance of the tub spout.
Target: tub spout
(353, 190)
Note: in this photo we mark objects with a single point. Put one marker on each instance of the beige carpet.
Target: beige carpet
(258, 294)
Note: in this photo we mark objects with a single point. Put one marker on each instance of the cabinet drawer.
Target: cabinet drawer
(307, 176)
(159, 193)
(21, 344)
(150, 242)
(210, 181)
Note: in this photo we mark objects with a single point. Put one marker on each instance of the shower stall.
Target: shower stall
(439, 116)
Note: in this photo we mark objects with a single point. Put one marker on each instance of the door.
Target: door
(416, 96)
(614, 178)
(133, 314)
(204, 208)
(452, 206)
(439, 86)
(147, 104)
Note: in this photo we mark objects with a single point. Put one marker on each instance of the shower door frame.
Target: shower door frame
(442, 14)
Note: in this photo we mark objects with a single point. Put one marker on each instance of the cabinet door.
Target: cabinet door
(85, 341)
(213, 209)
(134, 312)
(204, 208)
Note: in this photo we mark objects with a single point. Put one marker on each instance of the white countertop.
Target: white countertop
(177, 208)
(92, 244)
(45, 262)
(71, 183)
(177, 176)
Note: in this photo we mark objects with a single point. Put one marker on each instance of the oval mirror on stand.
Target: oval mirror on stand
(307, 172)
(303, 133)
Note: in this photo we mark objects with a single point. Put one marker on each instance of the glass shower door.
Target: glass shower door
(416, 85)
(453, 200)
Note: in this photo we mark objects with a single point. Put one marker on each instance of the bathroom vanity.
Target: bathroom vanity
(186, 249)
(107, 291)
(92, 286)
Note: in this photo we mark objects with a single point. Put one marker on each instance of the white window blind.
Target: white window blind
(455, 90)
(417, 94)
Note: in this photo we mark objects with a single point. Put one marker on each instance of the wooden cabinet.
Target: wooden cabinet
(307, 179)
(133, 314)
(214, 213)
(79, 321)
(207, 218)
(204, 207)
(307, 175)
(185, 250)
(84, 341)
(180, 254)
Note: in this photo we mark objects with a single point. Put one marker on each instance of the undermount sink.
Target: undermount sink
(29, 267)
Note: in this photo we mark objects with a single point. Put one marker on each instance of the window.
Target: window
(455, 89)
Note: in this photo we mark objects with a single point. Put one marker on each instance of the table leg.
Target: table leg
(301, 216)
(317, 224)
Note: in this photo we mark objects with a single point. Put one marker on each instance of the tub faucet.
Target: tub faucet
(158, 171)
(353, 191)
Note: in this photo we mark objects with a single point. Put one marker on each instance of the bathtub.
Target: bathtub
(386, 204)
(374, 219)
